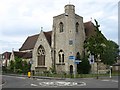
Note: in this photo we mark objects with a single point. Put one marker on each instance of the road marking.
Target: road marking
(39, 79)
(114, 81)
(105, 80)
(62, 83)
(21, 77)
(110, 80)
(34, 85)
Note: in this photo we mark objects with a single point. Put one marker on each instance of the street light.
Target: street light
(98, 60)
(110, 71)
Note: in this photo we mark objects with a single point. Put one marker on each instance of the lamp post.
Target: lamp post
(98, 60)
(110, 71)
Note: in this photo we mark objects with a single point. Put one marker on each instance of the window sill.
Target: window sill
(60, 63)
(41, 67)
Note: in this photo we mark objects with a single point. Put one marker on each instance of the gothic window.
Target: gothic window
(61, 56)
(77, 27)
(78, 56)
(61, 27)
(41, 56)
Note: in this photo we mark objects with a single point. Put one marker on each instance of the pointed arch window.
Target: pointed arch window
(61, 27)
(77, 27)
(41, 56)
(61, 56)
(78, 57)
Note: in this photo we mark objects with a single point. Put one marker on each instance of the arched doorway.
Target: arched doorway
(71, 69)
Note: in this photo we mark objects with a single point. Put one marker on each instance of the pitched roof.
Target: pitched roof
(24, 55)
(31, 41)
(48, 36)
(6, 55)
(89, 29)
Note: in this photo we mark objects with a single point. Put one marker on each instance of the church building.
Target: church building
(59, 48)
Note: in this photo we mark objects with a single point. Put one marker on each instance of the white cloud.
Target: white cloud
(22, 18)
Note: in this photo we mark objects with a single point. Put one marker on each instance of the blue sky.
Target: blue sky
(22, 18)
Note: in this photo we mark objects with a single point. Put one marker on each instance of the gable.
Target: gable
(31, 41)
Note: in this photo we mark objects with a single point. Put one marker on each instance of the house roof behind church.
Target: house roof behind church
(24, 55)
(6, 55)
(31, 41)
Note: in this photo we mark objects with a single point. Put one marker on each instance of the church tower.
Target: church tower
(67, 40)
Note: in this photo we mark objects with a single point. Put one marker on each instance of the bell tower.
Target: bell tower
(67, 39)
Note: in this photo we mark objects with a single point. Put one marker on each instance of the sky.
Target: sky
(22, 18)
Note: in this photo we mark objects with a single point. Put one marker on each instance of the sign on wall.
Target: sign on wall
(71, 57)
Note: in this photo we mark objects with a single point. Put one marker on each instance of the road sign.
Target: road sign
(77, 61)
(72, 57)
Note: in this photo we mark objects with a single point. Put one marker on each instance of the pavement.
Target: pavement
(61, 78)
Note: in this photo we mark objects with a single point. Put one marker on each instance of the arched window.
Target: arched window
(61, 56)
(41, 56)
(77, 27)
(61, 27)
(78, 57)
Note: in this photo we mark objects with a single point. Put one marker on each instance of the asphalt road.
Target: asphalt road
(25, 82)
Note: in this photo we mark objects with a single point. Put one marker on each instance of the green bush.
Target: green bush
(84, 67)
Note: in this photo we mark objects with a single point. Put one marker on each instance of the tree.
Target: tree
(12, 65)
(95, 44)
(25, 67)
(101, 48)
(18, 63)
(84, 67)
(110, 54)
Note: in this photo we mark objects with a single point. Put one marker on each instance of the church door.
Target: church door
(71, 69)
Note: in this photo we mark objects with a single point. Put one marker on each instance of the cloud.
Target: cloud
(22, 18)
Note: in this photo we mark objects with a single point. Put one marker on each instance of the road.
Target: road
(25, 82)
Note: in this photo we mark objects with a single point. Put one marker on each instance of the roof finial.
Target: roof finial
(12, 49)
(41, 29)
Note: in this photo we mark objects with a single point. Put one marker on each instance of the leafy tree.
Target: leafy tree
(101, 48)
(12, 65)
(18, 63)
(110, 54)
(25, 67)
(95, 44)
(84, 66)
